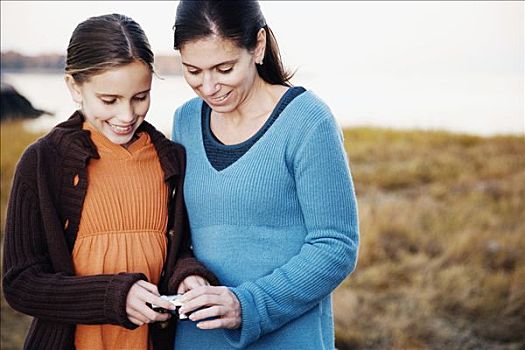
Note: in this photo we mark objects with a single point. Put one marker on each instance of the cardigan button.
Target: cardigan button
(76, 180)
(174, 192)
(171, 233)
(164, 324)
(66, 224)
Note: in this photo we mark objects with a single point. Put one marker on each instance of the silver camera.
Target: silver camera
(175, 300)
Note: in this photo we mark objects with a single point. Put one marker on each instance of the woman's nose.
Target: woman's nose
(209, 85)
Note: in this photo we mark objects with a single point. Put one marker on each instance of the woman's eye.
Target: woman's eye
(225, 70)
(193, 72)
(109, 102)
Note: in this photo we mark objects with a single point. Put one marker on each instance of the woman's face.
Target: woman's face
(116, 101)
(219, 71)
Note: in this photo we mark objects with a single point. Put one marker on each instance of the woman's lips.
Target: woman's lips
(220, 100)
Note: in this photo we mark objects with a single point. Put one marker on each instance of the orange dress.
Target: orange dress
(122, 228)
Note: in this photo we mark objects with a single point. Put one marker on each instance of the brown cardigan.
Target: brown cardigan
(43, 215)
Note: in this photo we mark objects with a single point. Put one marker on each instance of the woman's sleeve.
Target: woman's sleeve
(30, 283)
(329, 253)
(186, 264)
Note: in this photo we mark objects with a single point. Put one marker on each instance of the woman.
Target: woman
(96, 218)
(269, 194)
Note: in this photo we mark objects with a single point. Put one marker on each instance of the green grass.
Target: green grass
(441, 262)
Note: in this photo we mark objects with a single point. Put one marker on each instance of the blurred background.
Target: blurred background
(430, 96)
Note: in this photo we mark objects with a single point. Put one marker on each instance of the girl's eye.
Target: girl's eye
(109, 102)
(193, 72)
(141, 98)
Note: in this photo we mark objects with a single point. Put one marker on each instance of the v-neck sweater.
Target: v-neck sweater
(279, 227)
(220, 155)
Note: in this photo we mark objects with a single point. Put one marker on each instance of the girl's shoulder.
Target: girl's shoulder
(36, 157)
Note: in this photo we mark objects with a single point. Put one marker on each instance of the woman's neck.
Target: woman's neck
(251, 114)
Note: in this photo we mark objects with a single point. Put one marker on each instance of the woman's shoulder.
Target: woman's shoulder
(189, 107)
(186, 118)
(308, 110)
(310, 102)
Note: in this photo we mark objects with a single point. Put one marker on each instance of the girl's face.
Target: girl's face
(220, 72)
(116, 101)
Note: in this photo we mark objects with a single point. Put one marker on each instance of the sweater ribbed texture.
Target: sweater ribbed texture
(279, 227)
(122, 227)
(220, 155)
(42, 222)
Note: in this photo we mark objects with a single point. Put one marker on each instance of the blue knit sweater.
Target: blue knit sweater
(279, 227)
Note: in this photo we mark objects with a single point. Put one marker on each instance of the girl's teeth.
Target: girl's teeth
(121, 129)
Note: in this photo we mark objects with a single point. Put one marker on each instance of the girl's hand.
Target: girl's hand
(217, 302)
(191, 282)
(139, 294)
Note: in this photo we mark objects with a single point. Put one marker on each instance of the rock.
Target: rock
(15, 106)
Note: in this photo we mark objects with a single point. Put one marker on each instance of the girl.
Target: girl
(96, 218)
(270, 198)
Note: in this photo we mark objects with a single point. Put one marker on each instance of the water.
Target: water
(478, 104)
(49, 92)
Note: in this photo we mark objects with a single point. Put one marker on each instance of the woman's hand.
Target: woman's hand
(140, 293)
(190, 283)
(217, 302)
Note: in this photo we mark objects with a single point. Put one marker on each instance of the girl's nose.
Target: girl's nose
(127, 115)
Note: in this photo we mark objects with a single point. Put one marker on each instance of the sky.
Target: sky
(386, 35)
(339, 45)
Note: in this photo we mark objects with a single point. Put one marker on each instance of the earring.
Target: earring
(261, 62)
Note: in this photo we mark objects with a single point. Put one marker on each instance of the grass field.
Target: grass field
(442, 259)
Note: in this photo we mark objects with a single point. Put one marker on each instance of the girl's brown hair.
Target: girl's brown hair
(103, 42)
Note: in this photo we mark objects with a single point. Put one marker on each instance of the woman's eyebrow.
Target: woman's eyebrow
(215, 66)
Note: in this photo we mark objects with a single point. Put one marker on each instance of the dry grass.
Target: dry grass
(14, 139)
(442, 263)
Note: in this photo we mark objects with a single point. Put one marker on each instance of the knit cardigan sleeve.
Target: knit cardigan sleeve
(31, 282)
(329, 253)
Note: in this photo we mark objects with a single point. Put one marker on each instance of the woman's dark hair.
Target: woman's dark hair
(238, 21)
(104, 42)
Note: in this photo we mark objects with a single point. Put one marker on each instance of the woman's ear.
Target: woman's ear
(74, 88)
(260, 47)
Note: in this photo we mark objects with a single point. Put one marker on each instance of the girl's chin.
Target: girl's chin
(119, 139)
